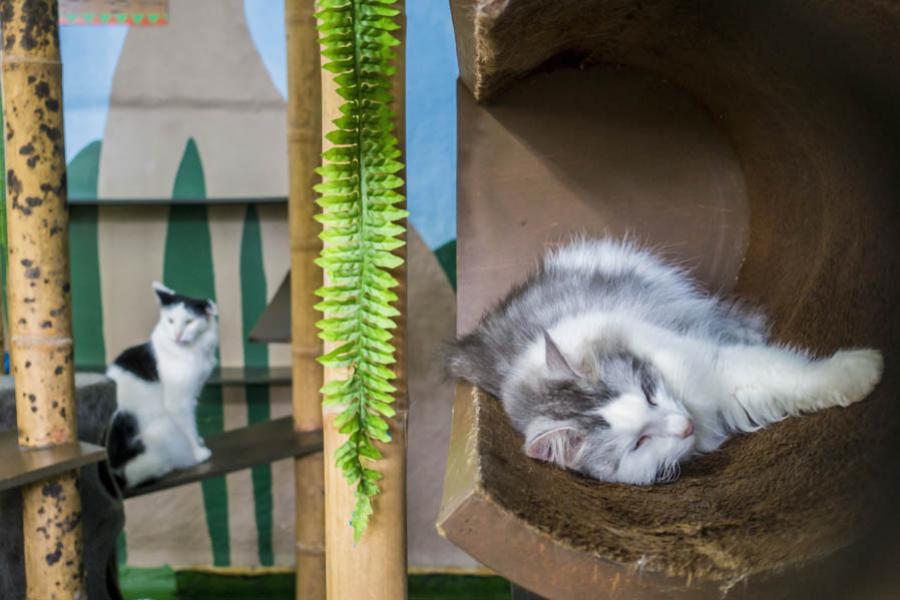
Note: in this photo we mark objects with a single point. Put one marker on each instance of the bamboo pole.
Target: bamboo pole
(38, 290)
(374, 568)
(304, 149)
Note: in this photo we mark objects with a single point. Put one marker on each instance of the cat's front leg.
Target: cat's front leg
(183, 413)
(765, 384)
(201, 452)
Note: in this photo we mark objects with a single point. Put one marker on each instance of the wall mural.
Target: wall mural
(113, 12)
(175, 139)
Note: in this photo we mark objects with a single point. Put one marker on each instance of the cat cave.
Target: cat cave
(756, 143)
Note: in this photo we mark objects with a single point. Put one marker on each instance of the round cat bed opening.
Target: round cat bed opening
(767, 174)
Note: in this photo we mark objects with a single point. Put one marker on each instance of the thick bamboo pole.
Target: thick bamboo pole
(38, 289)
(374, 568)
(304, 149)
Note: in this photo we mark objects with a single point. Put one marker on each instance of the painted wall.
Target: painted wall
(192, 110)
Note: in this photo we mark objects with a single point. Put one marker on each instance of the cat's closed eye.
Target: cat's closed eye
(641, 440)
(648, 387)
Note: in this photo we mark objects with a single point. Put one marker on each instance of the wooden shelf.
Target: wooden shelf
(250, 376)
(274, 325)
(170, 201)
(232, 375)
(240, 449)
(19, 467)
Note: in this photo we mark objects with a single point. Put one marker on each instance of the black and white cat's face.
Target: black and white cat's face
(613, 419)
(184, 319)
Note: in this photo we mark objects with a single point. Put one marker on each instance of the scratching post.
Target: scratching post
(374, 568)
(39, 301)
(304, 148)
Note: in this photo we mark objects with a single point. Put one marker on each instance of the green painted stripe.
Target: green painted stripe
(188, 269)
(82, 173)
(446, 257)
(87, 300)
(253, 303)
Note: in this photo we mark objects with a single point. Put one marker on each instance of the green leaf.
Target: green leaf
(363, 218)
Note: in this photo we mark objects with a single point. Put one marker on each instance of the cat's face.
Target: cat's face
(613, 419)
(183, 319)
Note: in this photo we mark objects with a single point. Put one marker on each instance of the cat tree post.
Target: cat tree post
(375, 567)
(38, 288)
(304, 147)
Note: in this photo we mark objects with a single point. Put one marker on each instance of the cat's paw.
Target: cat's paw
(202, 454)
(853, 374)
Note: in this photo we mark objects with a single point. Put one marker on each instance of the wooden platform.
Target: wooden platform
(240, 449)
(231, 375)
(250, 376)
(19, 467)
(274, 325)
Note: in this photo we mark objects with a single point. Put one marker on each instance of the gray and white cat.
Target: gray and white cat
(158, 382)
(614, 364)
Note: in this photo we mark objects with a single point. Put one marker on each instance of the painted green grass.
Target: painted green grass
(166, 584)
(152, 584)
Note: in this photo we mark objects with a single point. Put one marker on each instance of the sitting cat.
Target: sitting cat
(158, 382)
(614, 364)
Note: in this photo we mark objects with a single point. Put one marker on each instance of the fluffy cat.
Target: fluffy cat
(613, 363)
(154, 429)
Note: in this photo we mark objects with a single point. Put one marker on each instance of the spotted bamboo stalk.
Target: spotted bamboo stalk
(38, 289)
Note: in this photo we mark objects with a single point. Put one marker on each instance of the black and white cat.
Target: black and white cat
(612, 363)
(158, 382)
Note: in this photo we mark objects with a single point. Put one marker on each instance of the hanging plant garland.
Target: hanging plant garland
(362, 227)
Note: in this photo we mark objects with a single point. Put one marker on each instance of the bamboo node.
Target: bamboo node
(28, 60)
(313, 549)
(28, 340)
(307, 351)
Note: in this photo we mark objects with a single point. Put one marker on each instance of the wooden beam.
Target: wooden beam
(257, 444)
(375, 567)
(304, 150)
(20, 466)
(38, 289)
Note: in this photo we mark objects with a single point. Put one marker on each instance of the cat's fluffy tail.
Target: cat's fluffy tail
(124, 441)
(467, 358)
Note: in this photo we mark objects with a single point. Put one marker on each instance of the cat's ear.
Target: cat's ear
(164, 295)
(556, 360)
(211, 309)
(559, 446)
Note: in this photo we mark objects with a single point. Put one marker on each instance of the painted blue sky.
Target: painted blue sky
(90, 54)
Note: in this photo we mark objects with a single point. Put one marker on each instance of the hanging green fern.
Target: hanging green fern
(360, 212)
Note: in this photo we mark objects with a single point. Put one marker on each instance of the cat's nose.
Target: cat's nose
(688, 430)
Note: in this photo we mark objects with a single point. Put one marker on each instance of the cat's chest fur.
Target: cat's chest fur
(183, 371)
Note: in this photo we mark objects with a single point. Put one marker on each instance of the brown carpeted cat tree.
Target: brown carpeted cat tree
(757, 143)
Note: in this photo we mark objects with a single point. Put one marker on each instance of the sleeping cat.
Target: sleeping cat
(154, 429)
(614, 364)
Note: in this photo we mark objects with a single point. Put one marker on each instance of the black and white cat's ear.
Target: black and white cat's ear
(164, 295)
(559, 446)
(211, 309)
(556, 360)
